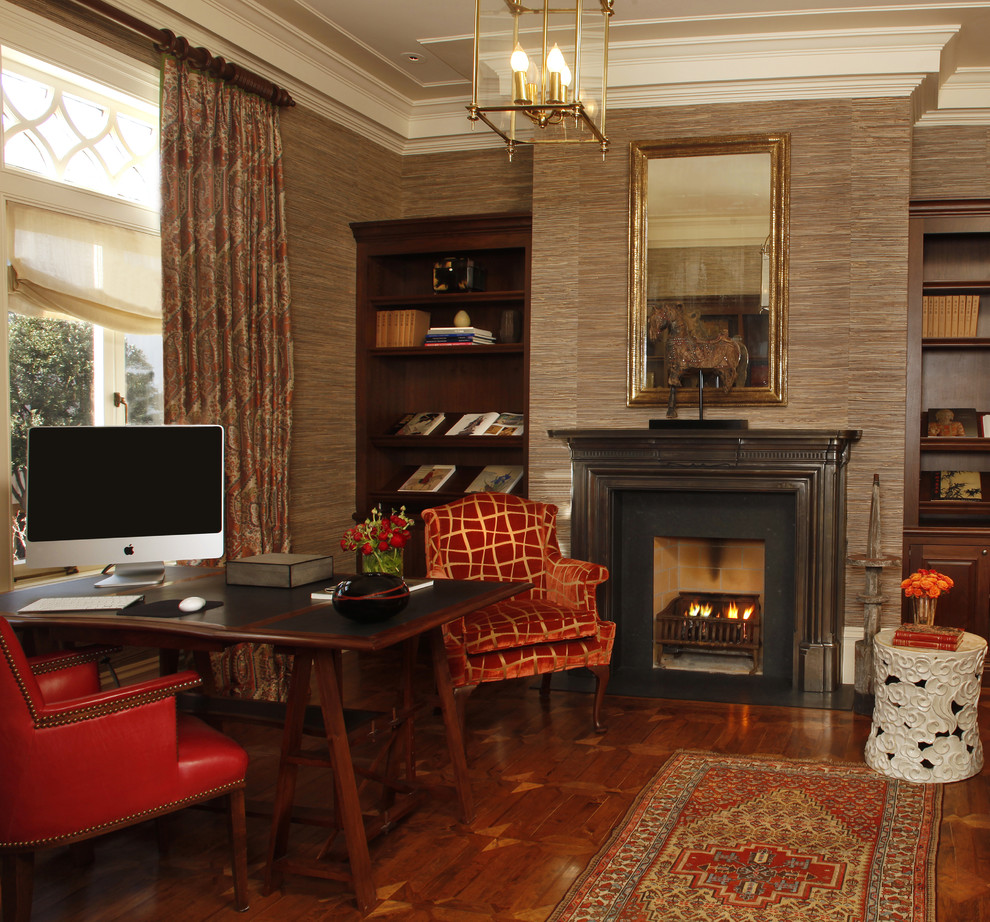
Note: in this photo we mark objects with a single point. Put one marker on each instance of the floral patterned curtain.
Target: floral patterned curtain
(225, 304)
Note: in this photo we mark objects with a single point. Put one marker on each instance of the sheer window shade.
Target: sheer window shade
(84, 269)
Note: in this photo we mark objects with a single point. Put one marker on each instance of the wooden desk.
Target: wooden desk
(316, 635)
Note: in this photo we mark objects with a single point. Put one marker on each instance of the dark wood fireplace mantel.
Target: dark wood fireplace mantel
(808, 464)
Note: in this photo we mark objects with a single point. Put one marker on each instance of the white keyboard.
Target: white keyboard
(82, 603)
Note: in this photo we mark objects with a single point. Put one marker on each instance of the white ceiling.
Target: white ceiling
(350, 58)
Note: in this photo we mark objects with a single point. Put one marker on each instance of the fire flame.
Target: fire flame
(733, 612)
(697, 609)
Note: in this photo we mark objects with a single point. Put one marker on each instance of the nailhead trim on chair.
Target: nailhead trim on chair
(99, 710)
(124, 820)
(96, 710)
(77, 658)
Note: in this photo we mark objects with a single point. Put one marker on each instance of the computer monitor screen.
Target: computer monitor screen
(131, 496)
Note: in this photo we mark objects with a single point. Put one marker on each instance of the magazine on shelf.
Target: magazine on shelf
(496, 478)
(507, 424)
(473, 423)
(428, 478)
(400, 423)
(422, 424)
(460, 330)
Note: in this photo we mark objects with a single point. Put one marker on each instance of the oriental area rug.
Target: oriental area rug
(715, 838)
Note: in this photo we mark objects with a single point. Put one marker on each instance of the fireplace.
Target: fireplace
(781, 490)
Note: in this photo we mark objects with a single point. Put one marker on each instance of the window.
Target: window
(79, 184)
(72, 130)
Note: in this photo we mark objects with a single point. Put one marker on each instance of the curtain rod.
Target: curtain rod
(167, 41)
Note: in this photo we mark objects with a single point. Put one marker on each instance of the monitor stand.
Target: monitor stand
(132, 574)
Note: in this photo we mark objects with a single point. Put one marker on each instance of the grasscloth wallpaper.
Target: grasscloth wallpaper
(855, 164)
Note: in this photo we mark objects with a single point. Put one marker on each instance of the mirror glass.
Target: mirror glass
(708, 227)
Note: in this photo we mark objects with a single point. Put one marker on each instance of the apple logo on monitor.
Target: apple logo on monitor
(129, 550)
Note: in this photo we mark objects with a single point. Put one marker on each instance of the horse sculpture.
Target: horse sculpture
(692, 347)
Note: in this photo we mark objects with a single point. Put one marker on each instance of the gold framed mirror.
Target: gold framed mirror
(708, 248)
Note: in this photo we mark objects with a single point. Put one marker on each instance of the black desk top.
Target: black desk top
(258, 614)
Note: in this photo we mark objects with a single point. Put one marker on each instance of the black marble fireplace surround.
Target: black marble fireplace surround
(785, 487)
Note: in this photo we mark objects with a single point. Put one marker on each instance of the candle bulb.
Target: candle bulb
(519, 61)
(555, 69)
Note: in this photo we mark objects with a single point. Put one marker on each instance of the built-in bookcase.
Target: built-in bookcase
(395, 272)
(949, 369)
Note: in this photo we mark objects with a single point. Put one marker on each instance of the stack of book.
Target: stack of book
(931, 636)
(949, 316)
(458, 336)
(401, 328)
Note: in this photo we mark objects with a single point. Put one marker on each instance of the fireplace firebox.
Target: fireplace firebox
(711, 621)
(784, 488)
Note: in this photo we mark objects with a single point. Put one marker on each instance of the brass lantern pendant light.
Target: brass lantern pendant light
(540, 70)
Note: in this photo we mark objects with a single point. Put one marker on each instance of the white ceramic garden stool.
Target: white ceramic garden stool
(924, 716)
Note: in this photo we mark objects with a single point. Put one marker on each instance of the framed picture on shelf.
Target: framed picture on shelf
(957, 485)
(984, 425)
(952, 423)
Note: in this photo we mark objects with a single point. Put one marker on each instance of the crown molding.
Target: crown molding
(813, 64)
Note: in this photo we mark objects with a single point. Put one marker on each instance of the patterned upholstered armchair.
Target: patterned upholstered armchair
(552, 627)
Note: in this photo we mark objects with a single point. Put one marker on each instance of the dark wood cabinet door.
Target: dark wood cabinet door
(968, 603)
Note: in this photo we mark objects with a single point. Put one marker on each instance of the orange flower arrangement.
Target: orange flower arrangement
(928, 583)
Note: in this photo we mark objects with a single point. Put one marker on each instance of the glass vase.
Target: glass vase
(924, 609)
(389, 561)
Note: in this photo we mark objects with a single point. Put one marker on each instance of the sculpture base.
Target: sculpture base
(699, 423)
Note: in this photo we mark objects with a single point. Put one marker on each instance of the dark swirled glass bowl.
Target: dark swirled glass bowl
(371, 597)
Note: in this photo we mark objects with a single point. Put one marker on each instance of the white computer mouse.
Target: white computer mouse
(193, 603)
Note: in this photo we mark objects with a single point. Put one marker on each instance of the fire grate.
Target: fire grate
(728, 623)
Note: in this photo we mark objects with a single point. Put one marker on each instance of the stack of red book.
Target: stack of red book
(932, 636)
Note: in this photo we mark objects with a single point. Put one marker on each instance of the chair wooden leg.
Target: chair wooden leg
(162, 835)
(601, 674)
(461, 694)
(17, 885)
(545, 685)
(238, 848)
(83, 853)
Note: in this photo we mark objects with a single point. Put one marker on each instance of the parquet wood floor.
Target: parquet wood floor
(548, 793)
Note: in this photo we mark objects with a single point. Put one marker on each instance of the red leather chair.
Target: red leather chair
(550, 628)
(77, 762)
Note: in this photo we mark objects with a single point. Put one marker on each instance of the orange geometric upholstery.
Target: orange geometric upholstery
(550, 628)
(78, 761)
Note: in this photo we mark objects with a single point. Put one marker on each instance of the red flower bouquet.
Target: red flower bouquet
(380, 539)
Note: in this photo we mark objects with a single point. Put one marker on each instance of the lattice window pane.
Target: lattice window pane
(85, 169)
(31, 98)
(88, 118)
(24, 151)
(140, 137)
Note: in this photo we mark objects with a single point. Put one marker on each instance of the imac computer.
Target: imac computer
(131, 496)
